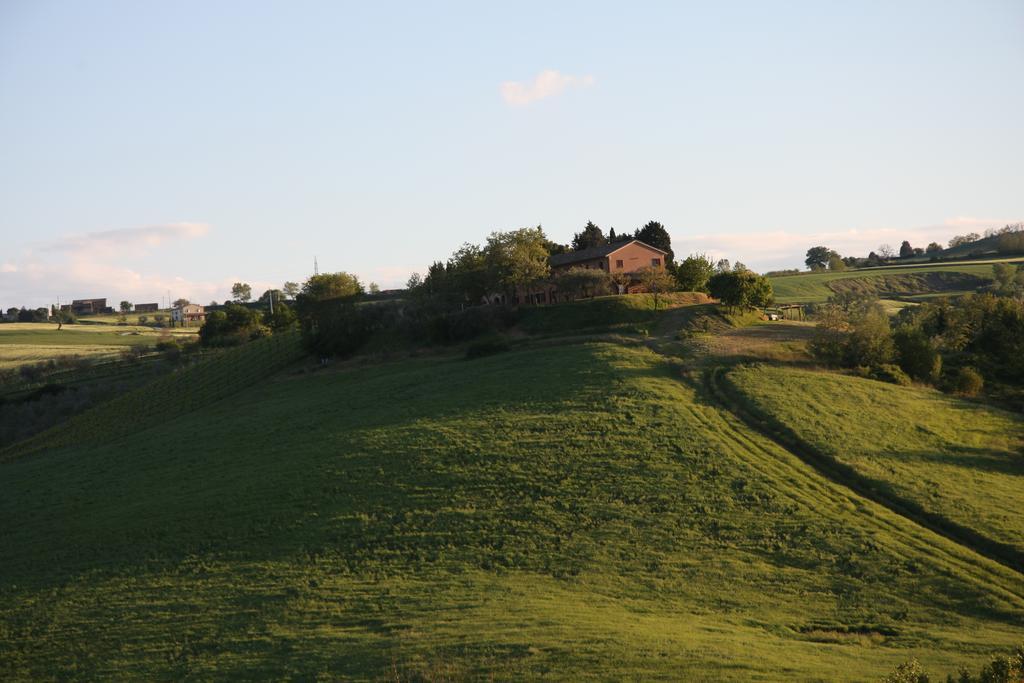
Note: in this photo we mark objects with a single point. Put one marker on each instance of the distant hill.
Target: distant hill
(914, 280)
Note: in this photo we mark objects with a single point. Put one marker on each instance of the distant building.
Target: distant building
(626, 258)
(147, 308)
(90, 306)
(189, 313)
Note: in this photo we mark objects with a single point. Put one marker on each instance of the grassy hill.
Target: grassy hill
(885, 281)
(562, 511)
(22, 343)
(959, 461)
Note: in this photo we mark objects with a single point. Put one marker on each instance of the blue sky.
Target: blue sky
(151, 147)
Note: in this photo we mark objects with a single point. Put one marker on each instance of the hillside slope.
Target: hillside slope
(885, 281)
(954, 459)
(572, 510)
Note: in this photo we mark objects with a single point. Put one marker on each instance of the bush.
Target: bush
(893, 374)
(487, 346)
(232, 326)
(917, 354)
(909, 672)
(968, 382)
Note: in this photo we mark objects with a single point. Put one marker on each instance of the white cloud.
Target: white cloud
(548, 83)
(128, 238)
(93, 264)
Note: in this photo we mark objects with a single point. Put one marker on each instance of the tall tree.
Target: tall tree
(126, 306)
(741, 289)
(906, 251)
(290, 289)
(517, 259)
(178, 303)
(818, 257)
(656, 281)
(331, 286)
(591, 236)
(655, 234)
(241, 291)
(693, 273)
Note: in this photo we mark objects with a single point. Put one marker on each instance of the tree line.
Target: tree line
(957, 345)
(1008, 240)
(510, 262)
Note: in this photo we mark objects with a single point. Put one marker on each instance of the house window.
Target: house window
(618, 263)
(655, 262)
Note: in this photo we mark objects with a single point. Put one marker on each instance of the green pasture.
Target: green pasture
(567, 512)
(33, 342)
(814, 287)
(960, 460)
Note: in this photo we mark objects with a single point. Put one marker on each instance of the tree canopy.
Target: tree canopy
(818, 257)
(590, 236)
(241, 291)
(693, 273)
(331, 286)
(655, 234)
(741, 289)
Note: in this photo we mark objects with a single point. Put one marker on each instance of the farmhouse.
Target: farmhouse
(88, 306)
(619, 258)
(147, 308)
(189, 313)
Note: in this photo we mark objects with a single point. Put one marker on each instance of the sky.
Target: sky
(152, 149)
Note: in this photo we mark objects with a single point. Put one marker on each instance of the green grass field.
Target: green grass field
(569, 511)
(895, 280)
(960, 460)
(22, 343)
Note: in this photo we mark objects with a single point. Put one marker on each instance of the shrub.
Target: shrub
(968, 382)
(917, 355)
(893, 374)
(908, 672)
(487, 346)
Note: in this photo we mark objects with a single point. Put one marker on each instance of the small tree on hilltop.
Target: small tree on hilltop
(656, 281)
(818, 257)
(579, 282)
(126, 306)
(885, 252)
(693, 273)
(836, 263)
(241, 292)
(906, 251)
(64, 315)
(290, 289)
(516, 259)
(741, 289)
(332, 286)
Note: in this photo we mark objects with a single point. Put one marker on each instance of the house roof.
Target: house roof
(596, 252)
